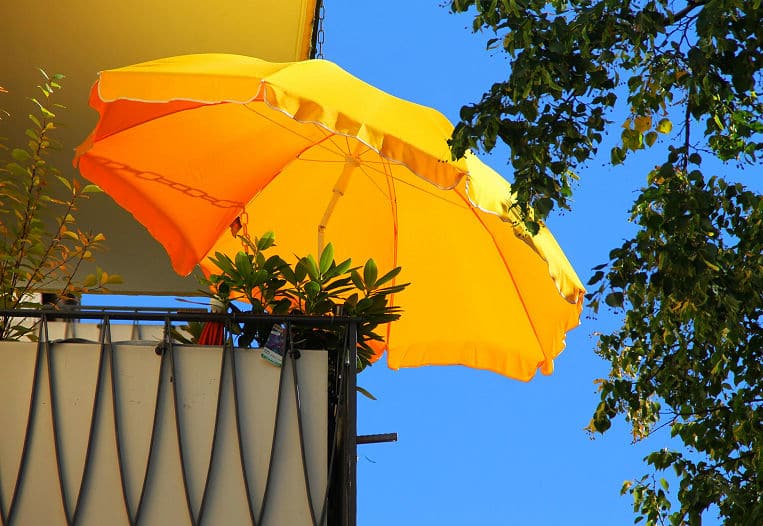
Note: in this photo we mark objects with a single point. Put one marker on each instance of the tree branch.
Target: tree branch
(686, 10)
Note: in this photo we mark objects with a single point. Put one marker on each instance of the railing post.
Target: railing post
(350, 428)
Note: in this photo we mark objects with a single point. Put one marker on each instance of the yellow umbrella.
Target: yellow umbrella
(188, 144)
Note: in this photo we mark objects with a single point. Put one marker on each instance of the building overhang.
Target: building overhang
(79, 38)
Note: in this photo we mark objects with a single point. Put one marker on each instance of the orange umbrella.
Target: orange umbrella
(188, 144)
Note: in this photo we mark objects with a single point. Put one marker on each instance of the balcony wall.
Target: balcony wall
(102, 433)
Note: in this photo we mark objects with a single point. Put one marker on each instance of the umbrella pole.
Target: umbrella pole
(350, 164)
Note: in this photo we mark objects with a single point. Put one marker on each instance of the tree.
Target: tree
(689, 283)
(41, 248)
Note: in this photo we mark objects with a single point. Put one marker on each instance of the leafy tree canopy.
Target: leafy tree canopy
(686, 76)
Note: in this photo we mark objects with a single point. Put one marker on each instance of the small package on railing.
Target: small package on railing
(275, 347)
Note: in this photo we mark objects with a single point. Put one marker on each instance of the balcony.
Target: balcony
(108, 420)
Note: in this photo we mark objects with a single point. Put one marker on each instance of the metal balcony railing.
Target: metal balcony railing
(203, 480)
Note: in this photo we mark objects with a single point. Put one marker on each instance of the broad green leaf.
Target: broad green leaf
(311, 267)
(259, 277)
(223, 262)
(17, 170)
(370, 273)
(327, 258)
(357, 280)
(300, 270)
(617, 155)
(289, 274)
(267, 240)
(20, 155)
(342, 267)
(392, 274)
(244, 264)
(312, 288)
(614, 299)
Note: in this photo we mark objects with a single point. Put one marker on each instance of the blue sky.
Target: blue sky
(474, 447)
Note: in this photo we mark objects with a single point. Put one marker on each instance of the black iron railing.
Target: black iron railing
(336, 507)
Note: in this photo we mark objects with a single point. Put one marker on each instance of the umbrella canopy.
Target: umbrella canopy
(188, 144)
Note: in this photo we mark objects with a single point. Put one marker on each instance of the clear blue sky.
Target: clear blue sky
(474, 447)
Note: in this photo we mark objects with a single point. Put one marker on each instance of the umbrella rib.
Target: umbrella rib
(374, 183)
(475, 211)
(420, 189)
(393, 203)
(364, 162)
(320, 144)
(331, 136)
(332, 139)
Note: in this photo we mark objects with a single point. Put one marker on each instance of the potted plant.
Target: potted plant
(307, 287)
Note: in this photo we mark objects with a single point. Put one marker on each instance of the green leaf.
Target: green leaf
(343, 267)
(35, 121)
(617, 155)
(91, 189)
(259, 277)
(544, 206)
(244, 265)
(311, 267)
(267, 240)
(614, 299)
(300, 270)
(312, 288)
(650, 138)
(20, 155)
(357, 280)
(352, 300)
(64, 181)
(114, 279)
(289, 274)
(392, 274)
(370, 273)
(365, 393)
(327, 258)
